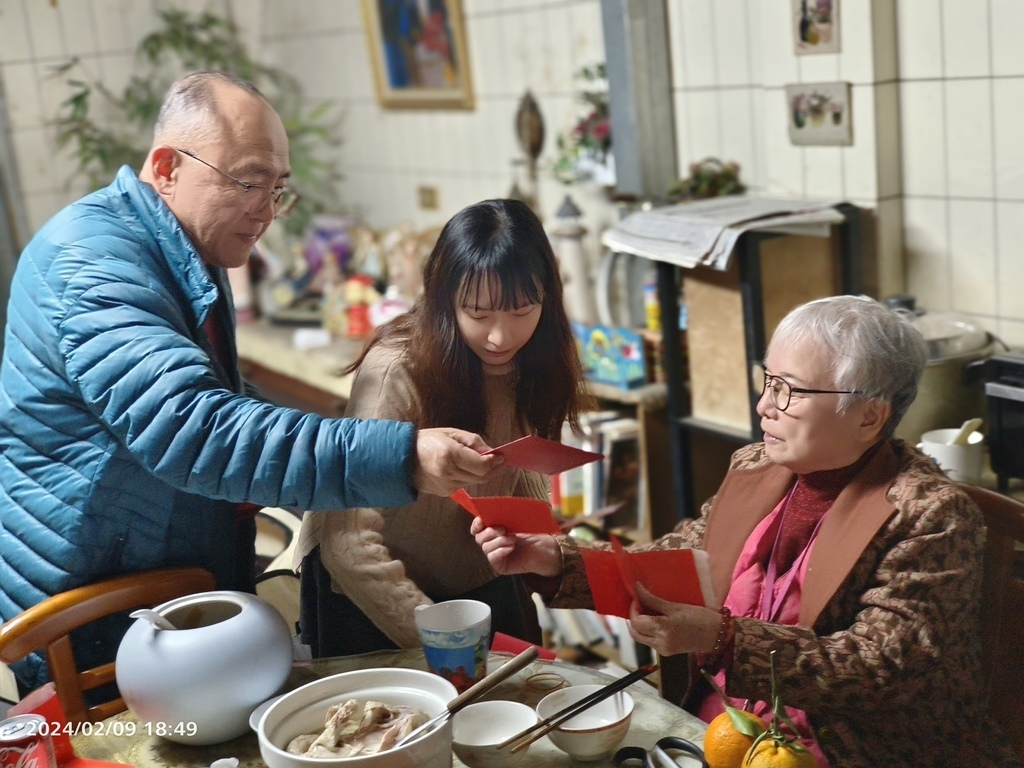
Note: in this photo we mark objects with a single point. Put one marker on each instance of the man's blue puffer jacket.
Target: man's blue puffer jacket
(122, 446)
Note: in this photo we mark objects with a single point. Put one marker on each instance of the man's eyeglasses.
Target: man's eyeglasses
(781, 391)
(255, 196)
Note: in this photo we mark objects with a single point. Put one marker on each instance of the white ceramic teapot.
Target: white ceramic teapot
(198, 683)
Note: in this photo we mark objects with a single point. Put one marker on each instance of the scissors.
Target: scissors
(658, 756)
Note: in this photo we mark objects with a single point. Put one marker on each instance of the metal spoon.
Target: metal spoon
(154, 618)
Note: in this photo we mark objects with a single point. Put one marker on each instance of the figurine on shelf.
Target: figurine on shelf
(333, 304)
(405, 252)
(368, 254)
(359, 294)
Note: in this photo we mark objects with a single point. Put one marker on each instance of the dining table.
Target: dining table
(120, 739)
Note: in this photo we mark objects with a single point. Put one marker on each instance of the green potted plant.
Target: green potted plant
(708, 178)
(106, 130)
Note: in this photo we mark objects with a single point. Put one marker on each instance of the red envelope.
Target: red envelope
(629, 576)
(514, 514)
(545, 456)
(671, 574)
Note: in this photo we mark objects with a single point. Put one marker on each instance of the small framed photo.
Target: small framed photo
(419, 54)
(815, 26)
(819, 113)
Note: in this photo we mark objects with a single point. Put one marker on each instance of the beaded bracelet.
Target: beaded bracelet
(726, 632)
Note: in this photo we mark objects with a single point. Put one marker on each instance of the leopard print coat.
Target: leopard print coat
(886, 657)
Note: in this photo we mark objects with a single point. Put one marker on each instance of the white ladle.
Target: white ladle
(964, 433)
(152, 617)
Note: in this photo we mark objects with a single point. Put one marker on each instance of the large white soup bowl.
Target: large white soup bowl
(304, 710)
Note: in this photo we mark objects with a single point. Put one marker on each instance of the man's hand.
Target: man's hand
(449, 459)
(674, 627)
(510, 553)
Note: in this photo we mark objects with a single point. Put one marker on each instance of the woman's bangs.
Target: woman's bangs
(506, 290)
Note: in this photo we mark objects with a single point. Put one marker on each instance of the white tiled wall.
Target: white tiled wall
(961, 83)
(466, 155)
(731, 62)
(36, 37)
(937, 91)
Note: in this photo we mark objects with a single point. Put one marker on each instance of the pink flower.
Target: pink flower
(601, 130)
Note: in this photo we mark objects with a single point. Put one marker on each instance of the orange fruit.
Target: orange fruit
(773, 754)
(724, 746)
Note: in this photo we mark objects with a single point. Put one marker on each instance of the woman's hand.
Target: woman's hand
(672, 628)
(510, 553)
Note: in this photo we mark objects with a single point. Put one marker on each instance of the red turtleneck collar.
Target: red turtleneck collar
(813, 496)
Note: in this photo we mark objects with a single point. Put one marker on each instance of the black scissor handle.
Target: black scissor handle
(639, 756)
(632, 756)
(681, 745)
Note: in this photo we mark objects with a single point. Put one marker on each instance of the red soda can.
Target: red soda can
(25, 743)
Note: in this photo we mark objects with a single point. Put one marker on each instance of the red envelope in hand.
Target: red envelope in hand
(629, 577)
(514, 514)
(545, 456)
(677, 575)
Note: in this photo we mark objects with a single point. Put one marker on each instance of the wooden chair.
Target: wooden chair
(46, 627)
(1002, 609)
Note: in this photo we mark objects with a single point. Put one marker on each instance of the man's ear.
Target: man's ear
(163, 164)
(874, 417)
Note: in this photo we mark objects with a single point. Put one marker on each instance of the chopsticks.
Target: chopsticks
(499, 675)
(551, 722)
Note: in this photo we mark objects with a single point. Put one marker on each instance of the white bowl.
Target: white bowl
(478, 729)
(304, 710)
(593, 733)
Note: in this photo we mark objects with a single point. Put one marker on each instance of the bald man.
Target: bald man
(128, 440)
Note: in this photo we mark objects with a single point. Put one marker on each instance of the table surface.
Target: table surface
(273, 347)
(653, 717)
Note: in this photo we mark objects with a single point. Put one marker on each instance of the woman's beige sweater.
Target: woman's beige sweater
(386, 561)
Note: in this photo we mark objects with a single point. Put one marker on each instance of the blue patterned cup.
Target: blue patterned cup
(456, 637)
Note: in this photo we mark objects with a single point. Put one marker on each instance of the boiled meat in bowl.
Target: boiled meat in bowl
(353, 729)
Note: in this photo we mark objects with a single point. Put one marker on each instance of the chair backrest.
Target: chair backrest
(47, 625)
(1002, 609)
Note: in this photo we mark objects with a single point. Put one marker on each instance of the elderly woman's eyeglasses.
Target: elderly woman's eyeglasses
(781, 391)
(255, 196)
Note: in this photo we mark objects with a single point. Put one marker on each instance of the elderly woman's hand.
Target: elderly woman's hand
(519, 552)
(672, 628)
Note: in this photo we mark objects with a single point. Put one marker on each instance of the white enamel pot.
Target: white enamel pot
(198, 683)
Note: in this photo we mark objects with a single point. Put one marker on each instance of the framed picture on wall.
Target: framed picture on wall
(815, 26)
(819, 113)
(418, 53)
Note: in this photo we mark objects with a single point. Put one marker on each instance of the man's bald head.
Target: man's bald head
(191, 112)
(219, 161)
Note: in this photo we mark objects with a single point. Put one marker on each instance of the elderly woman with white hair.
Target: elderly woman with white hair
(834, 544)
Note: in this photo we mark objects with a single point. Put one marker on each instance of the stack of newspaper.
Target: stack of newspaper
(704, 232)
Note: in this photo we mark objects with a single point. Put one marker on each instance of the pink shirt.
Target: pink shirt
(746, 598)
